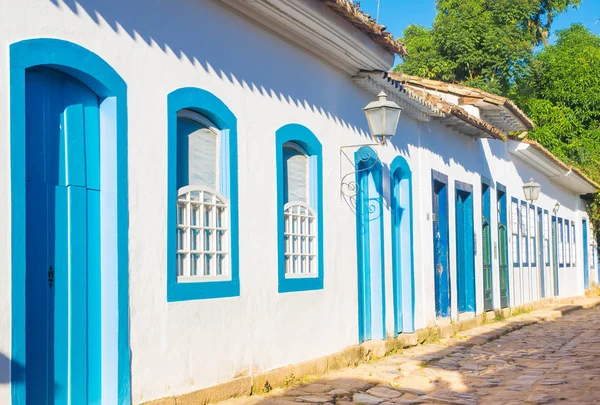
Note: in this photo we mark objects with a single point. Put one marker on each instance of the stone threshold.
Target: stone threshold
(490, 325)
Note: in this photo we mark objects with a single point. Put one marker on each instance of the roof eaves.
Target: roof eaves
(438, 105)
(462, 91)
(558, 162)
(365, 23)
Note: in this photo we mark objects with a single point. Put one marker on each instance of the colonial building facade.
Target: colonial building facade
(190, 194)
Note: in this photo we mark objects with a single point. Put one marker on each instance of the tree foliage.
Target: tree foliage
(491, 45)
(482, 43)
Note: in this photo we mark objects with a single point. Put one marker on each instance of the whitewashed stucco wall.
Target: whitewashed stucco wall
(160, 46)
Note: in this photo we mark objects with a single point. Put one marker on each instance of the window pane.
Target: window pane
(203, 158)
(295, 175)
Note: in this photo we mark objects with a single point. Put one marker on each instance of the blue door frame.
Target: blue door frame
(441, 244)
(370, 236)
(555, 254)
(586, 269)
(465, 248)
(86, 67)
(486, 242)
(402, 246)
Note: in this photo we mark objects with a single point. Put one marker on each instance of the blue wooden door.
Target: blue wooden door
(371, 281)
(440, 246)
(63, 241)
(465, 252)
(586, 269)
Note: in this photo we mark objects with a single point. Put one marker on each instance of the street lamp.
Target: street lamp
(531, 191)
(383, 116)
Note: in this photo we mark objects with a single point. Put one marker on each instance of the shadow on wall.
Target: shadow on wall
(222, 46)
(5, 370)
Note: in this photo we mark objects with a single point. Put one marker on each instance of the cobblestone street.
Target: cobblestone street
(546, 356)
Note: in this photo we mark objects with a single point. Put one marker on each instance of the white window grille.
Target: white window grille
(202, 235)
(573, 245)
(532, 234)
(546, 238)
(300, 238)
(567, 245)
(515, 230)
(560, 243)
(524, 224)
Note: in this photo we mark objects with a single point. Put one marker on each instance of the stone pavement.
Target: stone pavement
(541, 357)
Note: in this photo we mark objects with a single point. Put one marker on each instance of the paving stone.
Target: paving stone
(366, 399)
(540, 398)
(383, 392)
(552, 382)
(413, 391)
(339, 392)
(315, 399)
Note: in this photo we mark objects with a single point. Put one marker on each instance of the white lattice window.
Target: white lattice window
(567, 245)
(524, 225)
(573, 245)
(202, 235)
(561, 237)
(514, 219)
(546, 238)
(300, 233)
(202, 212)
(300, 220)
(532, 234)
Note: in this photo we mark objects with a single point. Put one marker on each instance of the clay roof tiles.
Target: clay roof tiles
(365, 23)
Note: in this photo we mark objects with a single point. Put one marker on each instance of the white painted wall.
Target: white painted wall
(160, 46)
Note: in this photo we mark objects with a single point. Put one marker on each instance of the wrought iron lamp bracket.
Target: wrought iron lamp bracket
(349, 187)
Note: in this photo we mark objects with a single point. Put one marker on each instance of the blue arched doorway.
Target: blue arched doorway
(68, 170)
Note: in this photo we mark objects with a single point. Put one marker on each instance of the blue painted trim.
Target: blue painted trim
(462, 186)
(584, 240)
(310, 143)
(99, 76)
(525, 256)
(438, 176)
(516, 260)
(210, 106)
(486, 181)
(366, 158)
(399, 169)
(534, 255)
(501, 187)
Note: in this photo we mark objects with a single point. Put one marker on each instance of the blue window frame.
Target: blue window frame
(290, 141)
(212, 114)
(524, 233)
(515, 218)
(567, 243)
(573, 245)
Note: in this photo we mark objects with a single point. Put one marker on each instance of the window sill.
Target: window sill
(202, 290)
(202, 279)
(301, 276)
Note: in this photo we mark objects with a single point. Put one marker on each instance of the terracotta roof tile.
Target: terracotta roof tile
(464, 91)
(365, 23)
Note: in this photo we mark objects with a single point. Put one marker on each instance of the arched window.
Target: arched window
(300, 231)
(202, 205)
(202, 212)
(300, 207)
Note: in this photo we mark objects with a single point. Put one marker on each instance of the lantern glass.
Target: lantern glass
(531, 190)
(383, 116)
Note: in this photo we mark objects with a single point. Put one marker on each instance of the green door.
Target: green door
(503, 246)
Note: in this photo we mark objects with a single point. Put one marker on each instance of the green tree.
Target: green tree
(481, 43)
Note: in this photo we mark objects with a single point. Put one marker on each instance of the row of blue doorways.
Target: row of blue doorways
(62, 240)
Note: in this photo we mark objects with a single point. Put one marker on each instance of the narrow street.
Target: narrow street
(547, 356)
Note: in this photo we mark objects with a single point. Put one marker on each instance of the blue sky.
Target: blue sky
(398, 14)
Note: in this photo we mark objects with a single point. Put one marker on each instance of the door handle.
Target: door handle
(51, 277)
